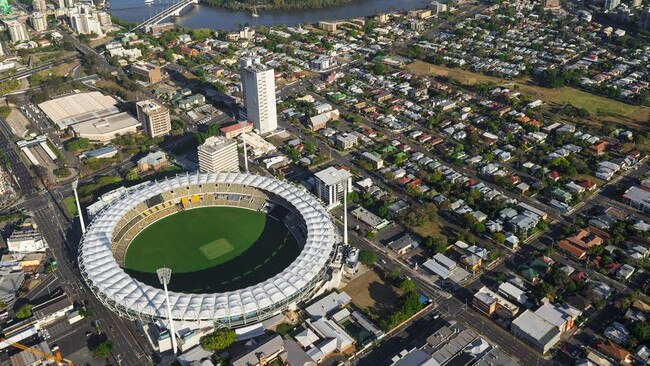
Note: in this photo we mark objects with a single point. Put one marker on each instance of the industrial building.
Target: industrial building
(68, 110)
(104, 129)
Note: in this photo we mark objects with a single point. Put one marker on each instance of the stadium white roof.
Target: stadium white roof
(122, 293)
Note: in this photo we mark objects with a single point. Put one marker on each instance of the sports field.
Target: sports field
(212, 249)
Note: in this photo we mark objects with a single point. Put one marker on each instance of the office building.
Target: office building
(258, 84)
(17, 31)
(146, 71)
(38, 21)
(331, 183)
(611, 4)
(218, 154)
(154, 118)
(39, 5)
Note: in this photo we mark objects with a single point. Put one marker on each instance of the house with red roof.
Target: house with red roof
(599, 148)
(554, 176)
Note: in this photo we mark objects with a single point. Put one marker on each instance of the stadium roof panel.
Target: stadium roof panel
(245, 306)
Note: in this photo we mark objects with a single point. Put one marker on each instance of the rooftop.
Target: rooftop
(106, 125)
(214, 144)
(535, 326)
(79, 107)
(332, 175)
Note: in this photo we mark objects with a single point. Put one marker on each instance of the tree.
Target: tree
(367, 257)
(408, 286)
(437, 245)
(218, 340)
(78, 144)
(102, 349)
(501, 277)
(641, 331)
(24, 311)
(499, 238)
(310, 148)
(132, 174)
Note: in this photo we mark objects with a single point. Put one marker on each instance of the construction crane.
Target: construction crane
(56, 357)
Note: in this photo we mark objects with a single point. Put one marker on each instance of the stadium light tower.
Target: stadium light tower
(75, 183)
(242, 125)
(164, 275)
(345, 212)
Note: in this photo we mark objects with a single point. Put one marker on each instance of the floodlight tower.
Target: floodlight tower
(345, 212)
(164, 275)
(242, 125)
(75, 183)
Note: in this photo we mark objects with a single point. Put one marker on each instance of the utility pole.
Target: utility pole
(75, 183)
(164, 275)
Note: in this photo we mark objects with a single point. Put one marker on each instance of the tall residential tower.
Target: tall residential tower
(258, 84)
(154, 118)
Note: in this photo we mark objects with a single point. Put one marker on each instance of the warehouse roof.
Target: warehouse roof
(107, 127)
(79, 107)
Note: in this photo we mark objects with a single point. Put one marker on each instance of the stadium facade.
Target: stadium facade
(106, 240)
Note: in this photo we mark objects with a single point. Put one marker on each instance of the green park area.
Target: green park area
(212, 249)
(601, 108)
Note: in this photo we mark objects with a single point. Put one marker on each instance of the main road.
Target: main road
(63, 235)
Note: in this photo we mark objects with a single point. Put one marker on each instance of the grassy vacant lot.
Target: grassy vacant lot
(371, 291)
(604, 109)
(429, 228)
(212, 249)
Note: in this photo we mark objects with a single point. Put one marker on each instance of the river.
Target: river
(203, 16)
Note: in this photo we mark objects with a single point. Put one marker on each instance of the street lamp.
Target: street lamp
(75, 183)
(164, 275)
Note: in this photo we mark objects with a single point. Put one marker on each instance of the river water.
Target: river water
(203, 16)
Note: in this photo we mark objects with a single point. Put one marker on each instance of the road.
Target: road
(26, 73)
(63, 237)
(21, 174)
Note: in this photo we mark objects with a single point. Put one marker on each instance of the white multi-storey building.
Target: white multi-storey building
(154, 118)
(218, 154)
(258, 84)
(17, 31)
(331, 183)
(26, 239)
(38, 21)
(104, 20)
(85, 21)
(39, 5)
